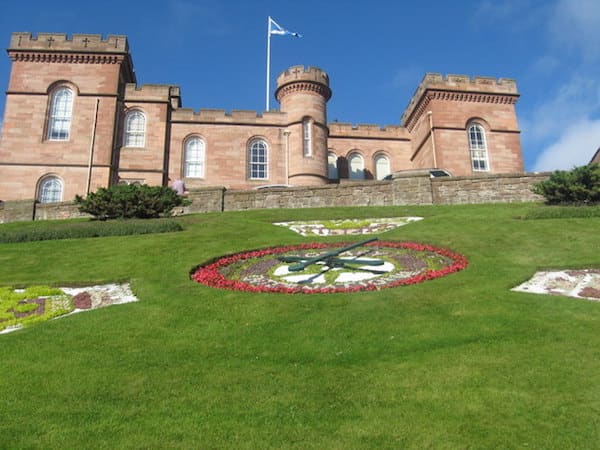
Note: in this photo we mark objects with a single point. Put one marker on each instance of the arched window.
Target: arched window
(478, 148)
(307, 136)
(135, 129)
(382, 167)
(50, 190)
(194, 156)
(258, 162)
(332, 168)
(60, 114)
(356, 166)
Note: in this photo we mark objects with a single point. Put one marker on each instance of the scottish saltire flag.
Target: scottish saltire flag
(275, 28)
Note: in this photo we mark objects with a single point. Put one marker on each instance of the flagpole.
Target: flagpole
(268, 60)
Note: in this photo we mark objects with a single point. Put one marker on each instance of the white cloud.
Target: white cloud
(575, 25)
(570, 102)
(575, 147)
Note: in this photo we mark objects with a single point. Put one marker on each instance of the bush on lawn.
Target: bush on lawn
(578, 186)
(126, 201)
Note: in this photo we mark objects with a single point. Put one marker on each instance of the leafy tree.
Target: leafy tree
(124, 201)
(578, 186)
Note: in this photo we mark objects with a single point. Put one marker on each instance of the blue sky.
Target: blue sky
(375, 53)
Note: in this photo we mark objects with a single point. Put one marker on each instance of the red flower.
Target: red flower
(210, 275)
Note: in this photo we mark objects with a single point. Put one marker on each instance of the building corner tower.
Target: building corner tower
(303, 94)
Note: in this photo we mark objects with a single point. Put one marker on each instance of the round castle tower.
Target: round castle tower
(303, 94)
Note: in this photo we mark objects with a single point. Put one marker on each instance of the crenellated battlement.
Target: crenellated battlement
(299, 78)
(151, 92)
(461, 88)
(465, 83)
(234, 117)
(87, 43)
(340, 129)
(301, 73)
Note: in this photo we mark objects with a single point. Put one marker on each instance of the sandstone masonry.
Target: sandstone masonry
(76, 120)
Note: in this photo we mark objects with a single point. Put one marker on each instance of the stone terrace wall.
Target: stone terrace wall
(413, 190)
(347, 194)
(209, 199)
(486, 189)
(55, 211)
(15, 211)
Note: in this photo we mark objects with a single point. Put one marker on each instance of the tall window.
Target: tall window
(307, 136)
(135, 129)
(50, 190)
(478, 148)
(357, 167)
(258, 163)
(194, 155)
(60, 114)
(382, 167)
(332, 168)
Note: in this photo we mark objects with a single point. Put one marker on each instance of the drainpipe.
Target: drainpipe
(430, 115)
(92, 141)
(287, 133)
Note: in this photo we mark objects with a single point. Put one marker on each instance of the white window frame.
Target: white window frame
(60, 114)
(194, 157)
(307, 137)
(135, 129)
(381, 173)
(478, 151)
(332, 167)
(50, 190)
(258, 160)
(360, 168)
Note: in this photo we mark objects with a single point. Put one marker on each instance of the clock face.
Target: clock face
(329, 268)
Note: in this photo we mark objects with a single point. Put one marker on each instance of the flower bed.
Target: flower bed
(261, 270)
(23, 307)
(347, 226)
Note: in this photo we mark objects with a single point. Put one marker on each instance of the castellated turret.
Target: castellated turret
(303, 94)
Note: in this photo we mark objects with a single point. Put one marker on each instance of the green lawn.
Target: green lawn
(457, 362)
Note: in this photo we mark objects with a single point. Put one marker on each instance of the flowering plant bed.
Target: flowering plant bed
(582, 284)
(403, 263)
(347, 226)
(23, 307)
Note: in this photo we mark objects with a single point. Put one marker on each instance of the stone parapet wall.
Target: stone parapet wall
(347, 194)
(411, 190)
(414, 190)
(486, 189)
(56, 211)
(15, 211)
(209, 199)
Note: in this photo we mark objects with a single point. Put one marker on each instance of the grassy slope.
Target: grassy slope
(452, 363)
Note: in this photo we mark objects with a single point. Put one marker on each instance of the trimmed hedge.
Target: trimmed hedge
(43, 231)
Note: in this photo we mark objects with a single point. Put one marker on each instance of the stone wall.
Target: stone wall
(412, 190)
(346, 194)
(16, 211)
(486, 189)
(55, 211)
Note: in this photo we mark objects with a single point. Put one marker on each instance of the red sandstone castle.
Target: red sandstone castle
(75, 120)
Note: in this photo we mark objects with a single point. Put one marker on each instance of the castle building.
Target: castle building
(76, 120)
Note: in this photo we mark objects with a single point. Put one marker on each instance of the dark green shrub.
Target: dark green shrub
(72, 230)
(125, 201)
(578, 186)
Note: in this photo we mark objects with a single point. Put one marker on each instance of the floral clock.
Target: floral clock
(308, 269)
